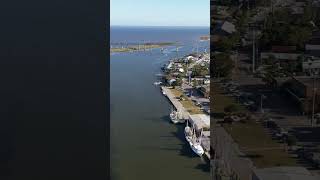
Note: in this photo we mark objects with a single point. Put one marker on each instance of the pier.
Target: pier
(175, 102)
(200, 121)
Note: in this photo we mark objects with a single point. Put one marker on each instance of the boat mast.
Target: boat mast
(200, 136)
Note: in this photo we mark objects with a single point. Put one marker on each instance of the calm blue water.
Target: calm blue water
(144, 144)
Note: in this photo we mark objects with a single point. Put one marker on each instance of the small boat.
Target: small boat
(157, 83)
(188, 132)
(195, 145)
(164, 93)
(174, 116)
(197, 148)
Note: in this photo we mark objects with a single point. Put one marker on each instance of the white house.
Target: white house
(206, 81)
(170, 65)
(311, 64)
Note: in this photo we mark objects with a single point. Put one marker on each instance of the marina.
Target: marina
(199, 123)
(175, 102)
(140, 112)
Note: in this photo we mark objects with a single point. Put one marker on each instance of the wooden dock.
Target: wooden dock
(186, 115)
(176, 103)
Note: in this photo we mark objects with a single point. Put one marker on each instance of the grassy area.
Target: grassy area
(187, 104)
(252, 138)
(258, 145)
(220, 101)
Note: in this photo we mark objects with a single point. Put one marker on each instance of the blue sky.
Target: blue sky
(160, 12)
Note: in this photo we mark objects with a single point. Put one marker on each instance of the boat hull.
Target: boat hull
(197, 149)
(173, 118)
(174, 121)
(187, 134)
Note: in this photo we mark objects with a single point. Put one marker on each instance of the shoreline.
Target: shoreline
(183, 103)
(143, 47)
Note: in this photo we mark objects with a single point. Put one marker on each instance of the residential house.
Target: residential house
(311, 65)
(226, 28)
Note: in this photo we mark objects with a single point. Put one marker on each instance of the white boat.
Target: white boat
(188, 132)
(180, 117)
(157, 83)
(164, 93)
(195, 145)
(174, 117)
(197, 148)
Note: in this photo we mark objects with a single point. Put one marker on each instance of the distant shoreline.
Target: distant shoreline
(141, 47)
(205, 38)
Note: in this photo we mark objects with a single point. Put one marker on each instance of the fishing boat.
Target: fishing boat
(181, 119)
(174, 116)
(188, 132)
(195, 144)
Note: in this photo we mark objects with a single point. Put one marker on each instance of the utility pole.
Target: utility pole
(272, 9)
(261, 101)
(253, 50)
(313, 100)
(197, 46)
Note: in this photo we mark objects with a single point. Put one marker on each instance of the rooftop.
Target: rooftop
(200, 121)
(228, 27)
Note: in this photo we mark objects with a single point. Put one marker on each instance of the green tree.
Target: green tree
(291, 140)
(199, 70)
(269, 79)
(178, 82)
(298, 35)
(227, 43)
(282, 29)
(222, 65)
(232, 108)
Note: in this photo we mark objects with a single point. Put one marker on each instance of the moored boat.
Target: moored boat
(195, 144)
(174, 116)
(188, 132)
(157, 83)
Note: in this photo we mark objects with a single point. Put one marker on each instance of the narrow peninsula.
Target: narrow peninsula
(140, 47)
